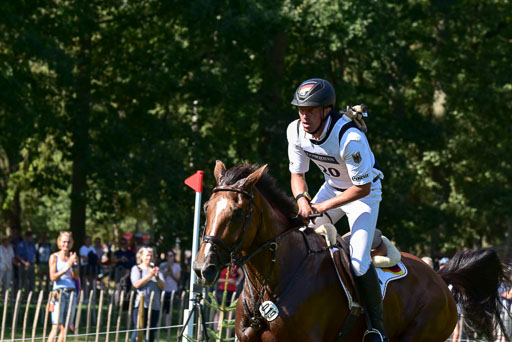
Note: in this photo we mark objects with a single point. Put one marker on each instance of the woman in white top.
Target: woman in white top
(63, 272)
(146, 279)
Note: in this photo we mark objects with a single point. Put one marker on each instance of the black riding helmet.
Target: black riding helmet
(314, 92)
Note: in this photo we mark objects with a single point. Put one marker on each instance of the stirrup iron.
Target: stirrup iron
(373, 331)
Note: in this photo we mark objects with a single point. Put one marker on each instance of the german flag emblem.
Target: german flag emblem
(306, 88)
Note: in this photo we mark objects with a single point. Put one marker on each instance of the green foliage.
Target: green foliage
(139, 95)
(222, 309)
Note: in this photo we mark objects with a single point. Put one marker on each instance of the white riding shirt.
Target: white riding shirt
(345, 160)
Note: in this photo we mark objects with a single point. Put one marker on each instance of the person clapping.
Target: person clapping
(147, 279)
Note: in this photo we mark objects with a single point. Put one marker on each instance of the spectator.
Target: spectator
(43, 251)
(15, 240)
(428, 260)
(138, 242)
(102, 254)
(26, 255)
(443, 262)
(89, 269)
(234, 279)
(146, 279)
(123, 260)
(172, 275)
(6, 259)
(64, 270)
(185, 276)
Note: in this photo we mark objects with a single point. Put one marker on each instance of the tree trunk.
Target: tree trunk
(271, 125)
(79, 113)
(14, 212)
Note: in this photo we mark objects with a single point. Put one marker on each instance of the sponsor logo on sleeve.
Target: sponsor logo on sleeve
(357, 157)
(360, 177)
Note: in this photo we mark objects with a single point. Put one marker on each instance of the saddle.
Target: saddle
(384, 253)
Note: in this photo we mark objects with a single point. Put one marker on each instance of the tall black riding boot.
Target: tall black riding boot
(369, 290)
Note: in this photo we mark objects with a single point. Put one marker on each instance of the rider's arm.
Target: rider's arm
(353, 193)
(299, 186)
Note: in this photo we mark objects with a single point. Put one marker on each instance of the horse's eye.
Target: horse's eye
(205, 207)
(238, 213)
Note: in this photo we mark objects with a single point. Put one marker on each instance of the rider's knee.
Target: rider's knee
(358, 267)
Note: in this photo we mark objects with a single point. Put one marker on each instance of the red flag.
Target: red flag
(195, 181)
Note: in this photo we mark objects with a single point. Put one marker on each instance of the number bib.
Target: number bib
(269, 310)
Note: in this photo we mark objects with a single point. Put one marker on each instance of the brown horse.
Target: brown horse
(251, 223)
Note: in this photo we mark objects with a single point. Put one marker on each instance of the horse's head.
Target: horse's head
(229, 227)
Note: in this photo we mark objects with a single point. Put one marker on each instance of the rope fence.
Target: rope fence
(104, 314)
(27, 318)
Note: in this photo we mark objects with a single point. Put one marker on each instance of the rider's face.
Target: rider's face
(311, 118)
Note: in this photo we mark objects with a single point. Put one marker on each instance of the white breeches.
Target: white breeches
(362, 218)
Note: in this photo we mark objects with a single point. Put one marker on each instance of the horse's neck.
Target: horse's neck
(288, 254)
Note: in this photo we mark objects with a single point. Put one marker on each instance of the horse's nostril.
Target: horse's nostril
(209, 274)
(197, 271)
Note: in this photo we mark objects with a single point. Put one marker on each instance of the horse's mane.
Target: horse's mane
(269, 189)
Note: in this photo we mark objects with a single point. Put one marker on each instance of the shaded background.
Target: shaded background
(107, 106)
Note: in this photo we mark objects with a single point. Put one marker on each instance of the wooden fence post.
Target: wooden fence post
(150, 312)
(182, 304)
(140, 320)
(25, 317)
(119, 315)
(36, 315)
(98, 318)
(46, 314)
(108, 317)
(4, 314)
(159, 323)
(169, 315)
(15, 314)
(68, 315)
(130, 309)
(88, 320)
(78, 315)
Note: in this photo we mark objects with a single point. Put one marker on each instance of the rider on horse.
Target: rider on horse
(352, 185)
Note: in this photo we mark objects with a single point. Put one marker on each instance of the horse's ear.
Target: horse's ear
(253, 178)
(220, 170)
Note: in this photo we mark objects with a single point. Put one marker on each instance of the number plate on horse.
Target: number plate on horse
(269, 310)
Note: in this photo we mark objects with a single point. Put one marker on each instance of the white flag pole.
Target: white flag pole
(195, 239)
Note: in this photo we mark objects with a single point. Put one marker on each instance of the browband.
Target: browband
(230, 188)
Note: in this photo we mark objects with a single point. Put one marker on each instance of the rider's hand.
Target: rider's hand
(318, 207)
(305, 208)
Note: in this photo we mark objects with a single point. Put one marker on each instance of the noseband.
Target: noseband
(232, 249)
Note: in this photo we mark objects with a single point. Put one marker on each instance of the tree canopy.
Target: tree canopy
(107, 106)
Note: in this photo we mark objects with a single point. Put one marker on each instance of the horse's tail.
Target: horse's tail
(476, 277)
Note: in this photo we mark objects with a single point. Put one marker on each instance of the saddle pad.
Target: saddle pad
(387, 274)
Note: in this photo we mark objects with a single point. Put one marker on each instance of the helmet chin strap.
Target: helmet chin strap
(324, 117)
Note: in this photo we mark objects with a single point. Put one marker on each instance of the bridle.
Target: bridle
(233, 249)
